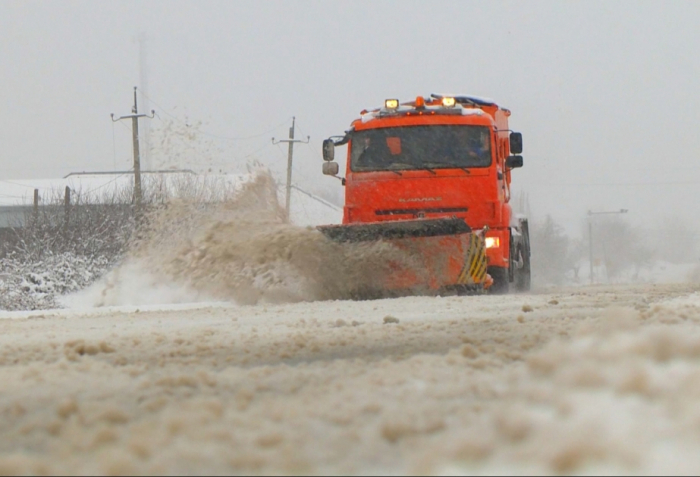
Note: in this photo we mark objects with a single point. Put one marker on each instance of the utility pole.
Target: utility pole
(36, 207)
(66, 210)
(290, 154)
(138, 193)
(590, 236)
(143, 79)
(590, 246)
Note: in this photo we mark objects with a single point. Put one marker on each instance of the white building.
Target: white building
(17, 196)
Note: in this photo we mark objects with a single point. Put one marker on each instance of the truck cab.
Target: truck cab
(439, 157)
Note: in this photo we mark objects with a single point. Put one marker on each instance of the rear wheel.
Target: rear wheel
(522, 275)
(501, 280)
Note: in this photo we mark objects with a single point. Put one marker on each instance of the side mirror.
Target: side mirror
(516, 143)
(331, 168)
(513, 162)
(328, 150)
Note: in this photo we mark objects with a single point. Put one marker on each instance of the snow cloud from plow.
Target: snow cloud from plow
(242, 250)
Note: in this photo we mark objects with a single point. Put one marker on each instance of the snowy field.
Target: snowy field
(583, 380)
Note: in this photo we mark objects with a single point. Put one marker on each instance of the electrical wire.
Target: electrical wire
(43, 188)
(124, 125)
(226, 138)
(618, 184)
(18, 184)
(235, 159)
(110, 182)
(317, 199)
(295, 169)
(252, 153)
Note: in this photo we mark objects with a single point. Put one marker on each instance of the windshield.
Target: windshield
(420, 147)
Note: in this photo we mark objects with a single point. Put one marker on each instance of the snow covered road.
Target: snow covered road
(580, 380)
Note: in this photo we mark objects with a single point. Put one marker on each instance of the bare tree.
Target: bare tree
(551, 257)
(619, 245)
(673, 240)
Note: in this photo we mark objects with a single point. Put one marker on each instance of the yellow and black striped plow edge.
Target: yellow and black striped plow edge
(475, 263)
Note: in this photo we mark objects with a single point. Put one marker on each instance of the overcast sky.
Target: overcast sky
(605, 93)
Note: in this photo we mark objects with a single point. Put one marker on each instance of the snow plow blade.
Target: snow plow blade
(395, 230)
(445, 255)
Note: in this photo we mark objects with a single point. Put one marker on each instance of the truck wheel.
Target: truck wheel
(523, 275)
(501, 282)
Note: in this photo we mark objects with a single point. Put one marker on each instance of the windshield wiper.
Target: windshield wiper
(451, 166)
(397, 171)
(408, 167)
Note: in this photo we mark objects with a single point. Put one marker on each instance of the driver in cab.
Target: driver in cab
(375, 153)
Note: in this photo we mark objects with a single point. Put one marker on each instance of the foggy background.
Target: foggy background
(605, 93)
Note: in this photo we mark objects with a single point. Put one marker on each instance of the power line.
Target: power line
(252, 153)
(53, 186)
(294, 167)
(110, 182)
(228, 163)
(18, 184)
(616, 184)
(317, 199)
(226, 138)
(125, 126)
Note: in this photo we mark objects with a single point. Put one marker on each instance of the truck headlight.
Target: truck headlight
(391, 103)
(493, 242)
(448, 102)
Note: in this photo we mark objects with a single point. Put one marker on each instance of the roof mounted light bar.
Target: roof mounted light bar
(467, 99)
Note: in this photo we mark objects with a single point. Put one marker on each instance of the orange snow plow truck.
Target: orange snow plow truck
(432, 177)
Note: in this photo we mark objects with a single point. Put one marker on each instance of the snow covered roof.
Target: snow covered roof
(21, 192)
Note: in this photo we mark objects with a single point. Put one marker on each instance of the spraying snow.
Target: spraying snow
(240, 250)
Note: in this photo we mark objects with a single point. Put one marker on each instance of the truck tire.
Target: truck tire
(523, 275)
(501, 281)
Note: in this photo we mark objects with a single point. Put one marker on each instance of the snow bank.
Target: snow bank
(33, 284)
